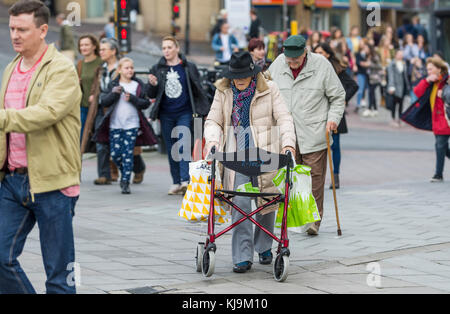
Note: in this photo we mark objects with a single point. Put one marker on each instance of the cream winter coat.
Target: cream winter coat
(314, 98)
(270, 122)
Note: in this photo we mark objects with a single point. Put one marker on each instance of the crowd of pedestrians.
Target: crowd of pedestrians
(98, 104)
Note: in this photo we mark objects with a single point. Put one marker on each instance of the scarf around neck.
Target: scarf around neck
(240, 115)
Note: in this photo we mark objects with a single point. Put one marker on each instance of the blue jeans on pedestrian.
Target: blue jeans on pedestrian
(336, 148)
(361, 80)
(83, 117)
(53, 211)
(442, 150)
(179, 167)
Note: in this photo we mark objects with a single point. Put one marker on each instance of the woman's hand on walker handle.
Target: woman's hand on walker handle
(288, 148)
(208, 148)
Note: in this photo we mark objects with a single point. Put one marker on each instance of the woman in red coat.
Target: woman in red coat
(433, 84)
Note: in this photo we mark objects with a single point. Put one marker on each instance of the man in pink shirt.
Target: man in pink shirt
(40, 159)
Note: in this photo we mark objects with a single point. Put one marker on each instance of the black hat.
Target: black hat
(241, 66)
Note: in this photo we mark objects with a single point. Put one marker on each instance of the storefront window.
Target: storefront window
(95, 8)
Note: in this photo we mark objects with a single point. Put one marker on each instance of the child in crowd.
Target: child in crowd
(124, 120)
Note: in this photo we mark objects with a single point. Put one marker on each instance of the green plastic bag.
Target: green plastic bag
(302, 207)
(247, 187)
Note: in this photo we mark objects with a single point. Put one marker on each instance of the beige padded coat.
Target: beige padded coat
(271, 125)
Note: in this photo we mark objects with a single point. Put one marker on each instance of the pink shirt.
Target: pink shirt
(16, 98)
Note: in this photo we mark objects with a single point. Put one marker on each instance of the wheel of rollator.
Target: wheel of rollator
(281, 267)
(208, 263)
(199, 256)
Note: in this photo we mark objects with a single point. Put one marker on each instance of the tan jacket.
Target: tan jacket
(267, 109)
(51, 122)
(314, 98)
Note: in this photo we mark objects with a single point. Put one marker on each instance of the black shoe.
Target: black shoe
(265, 258)
(437, 178)
(336, 182)
(242, 267)
(125, 186)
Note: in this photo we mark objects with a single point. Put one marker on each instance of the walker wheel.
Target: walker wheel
(199, 256)
(280, 267)
(208, 263)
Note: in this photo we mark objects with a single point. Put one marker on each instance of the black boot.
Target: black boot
(125, 186)
(336, 182)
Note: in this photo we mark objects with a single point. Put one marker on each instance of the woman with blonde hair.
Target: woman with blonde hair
(174, 83)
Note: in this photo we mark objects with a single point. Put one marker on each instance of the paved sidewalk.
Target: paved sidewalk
(390, 214)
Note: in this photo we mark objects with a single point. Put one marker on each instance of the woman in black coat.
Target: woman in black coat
(175, 85)
(351, 88)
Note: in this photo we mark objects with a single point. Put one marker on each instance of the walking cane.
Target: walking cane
(339, 232)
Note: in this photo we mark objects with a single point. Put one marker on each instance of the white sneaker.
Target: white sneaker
(366, 113)
(374, 113)
(174, 189)
(183, 187)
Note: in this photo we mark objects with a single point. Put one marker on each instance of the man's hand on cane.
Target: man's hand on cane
(331, 127)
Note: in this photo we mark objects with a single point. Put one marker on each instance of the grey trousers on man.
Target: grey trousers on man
(244, 240)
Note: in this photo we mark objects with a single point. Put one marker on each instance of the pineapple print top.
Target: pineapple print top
(175, 98)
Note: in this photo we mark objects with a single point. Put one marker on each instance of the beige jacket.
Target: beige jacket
(51, 122)
(270, 122)
(314, 98)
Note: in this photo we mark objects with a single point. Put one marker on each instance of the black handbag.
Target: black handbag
(418, 114)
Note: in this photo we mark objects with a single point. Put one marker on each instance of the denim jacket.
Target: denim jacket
(217, 44)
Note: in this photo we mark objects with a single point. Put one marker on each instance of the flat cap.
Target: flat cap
(294, 46)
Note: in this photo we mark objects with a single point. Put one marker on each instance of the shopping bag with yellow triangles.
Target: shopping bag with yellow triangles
(196, 201)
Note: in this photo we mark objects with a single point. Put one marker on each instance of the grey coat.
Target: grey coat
(398, 80)
(446, 94)
(314, 98)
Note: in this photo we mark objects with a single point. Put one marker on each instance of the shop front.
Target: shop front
(270, 12)
(442, 18)
(326, 14)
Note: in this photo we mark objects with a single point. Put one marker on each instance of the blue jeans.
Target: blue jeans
(83, 116)
(53, 211)
(442, 150)
(336, 148)
(179, 168)
(361, 79)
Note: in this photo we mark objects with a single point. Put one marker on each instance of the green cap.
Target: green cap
(294, 46)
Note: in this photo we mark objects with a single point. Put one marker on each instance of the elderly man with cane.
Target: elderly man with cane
(316, 100)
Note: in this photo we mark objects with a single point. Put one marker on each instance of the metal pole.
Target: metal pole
(188, 26)
(285, 17)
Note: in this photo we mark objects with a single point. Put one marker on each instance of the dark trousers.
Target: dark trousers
(103, 155)
(372, 98)
(336, 149)
(53, 211)
(397, 106)
(442, 150)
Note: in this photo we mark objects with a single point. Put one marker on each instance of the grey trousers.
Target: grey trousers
(244, 240)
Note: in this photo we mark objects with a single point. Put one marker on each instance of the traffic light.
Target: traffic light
(175, 9)
(123, 29)
(175, 15)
